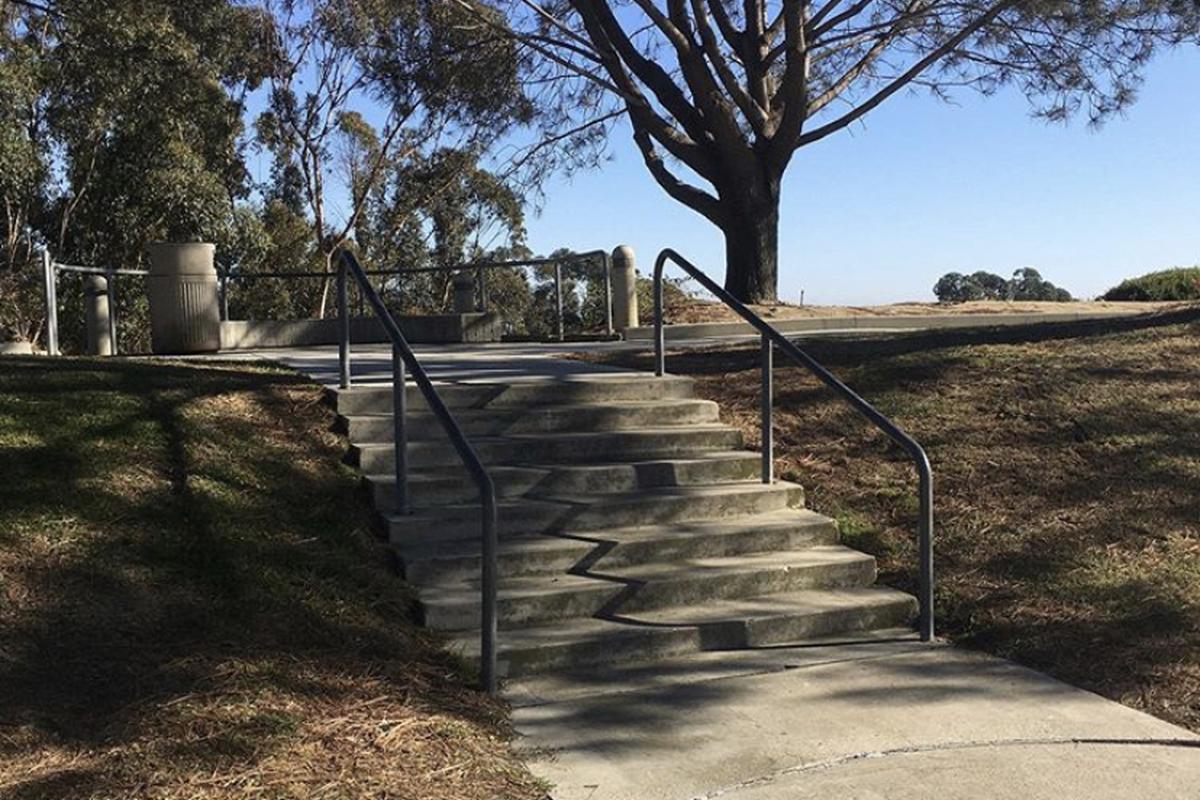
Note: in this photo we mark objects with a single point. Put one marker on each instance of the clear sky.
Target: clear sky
(878, 213)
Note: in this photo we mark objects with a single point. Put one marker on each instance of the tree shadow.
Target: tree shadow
(174, 533)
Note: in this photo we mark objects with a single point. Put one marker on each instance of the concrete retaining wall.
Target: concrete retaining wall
(705, 330)
(424, 329)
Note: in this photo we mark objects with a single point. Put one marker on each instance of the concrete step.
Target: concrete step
(788, 618)
(573, 448)
(451, 485)
(576, 389)
(581, 513)
(790, 529)
(530, 600)
(595, 417)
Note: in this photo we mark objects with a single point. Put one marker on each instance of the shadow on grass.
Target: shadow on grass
(185, 567)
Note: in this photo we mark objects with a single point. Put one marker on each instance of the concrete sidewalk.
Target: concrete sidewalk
(866, 719)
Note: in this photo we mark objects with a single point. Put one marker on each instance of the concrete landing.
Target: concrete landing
(477, 363)
(866, 719)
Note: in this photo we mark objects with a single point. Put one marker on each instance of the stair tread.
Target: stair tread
(427, 474)
(782, 519)
(706, 427)
(789, 604)
(803, 602)
(821, 555)
(677, 402)
(564, 501)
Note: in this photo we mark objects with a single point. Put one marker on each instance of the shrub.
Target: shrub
(1181, 283)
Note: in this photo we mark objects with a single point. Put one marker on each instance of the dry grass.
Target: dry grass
(693, 310)
(192, 604)
(1067, 468)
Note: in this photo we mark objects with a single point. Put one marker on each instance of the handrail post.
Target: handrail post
(558, 296)
(50, 276)
(224, 289)
(608, 298)
(660, 356)
(111, 291)
(488, 621)
(768, 410)
(925, 544)
(343, 303)
(400, 428)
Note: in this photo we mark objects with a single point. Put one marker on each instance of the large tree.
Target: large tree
(720, 94)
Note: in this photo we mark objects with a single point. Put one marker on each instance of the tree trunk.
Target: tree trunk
(751, 229)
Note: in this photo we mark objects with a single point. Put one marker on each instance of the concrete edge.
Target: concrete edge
(705, 330)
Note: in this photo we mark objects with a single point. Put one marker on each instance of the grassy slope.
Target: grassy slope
(1067, 489)
(191, 603)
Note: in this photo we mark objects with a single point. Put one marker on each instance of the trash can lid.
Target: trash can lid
(168, 259)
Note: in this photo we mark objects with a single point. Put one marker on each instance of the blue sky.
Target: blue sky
(877, 214)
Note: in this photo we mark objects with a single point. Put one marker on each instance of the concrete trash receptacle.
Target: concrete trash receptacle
(184, 302)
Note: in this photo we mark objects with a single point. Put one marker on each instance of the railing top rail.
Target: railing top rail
(465, 267)
(791, 350)
(97, 270)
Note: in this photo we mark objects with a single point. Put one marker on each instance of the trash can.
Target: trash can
(185, 314)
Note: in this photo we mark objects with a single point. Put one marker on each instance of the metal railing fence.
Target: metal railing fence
(480, 269)
(50, 273)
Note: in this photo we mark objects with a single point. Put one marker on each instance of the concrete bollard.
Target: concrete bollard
(96, 313)
(464, 293)
(624, 287)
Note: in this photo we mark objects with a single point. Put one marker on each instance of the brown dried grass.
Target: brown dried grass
(1067, 469)
(193, 605)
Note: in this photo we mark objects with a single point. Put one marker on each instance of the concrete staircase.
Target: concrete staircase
(632, 525)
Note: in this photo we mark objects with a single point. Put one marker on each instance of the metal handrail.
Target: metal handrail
(772, 338)
(478, 266)
(402, 358)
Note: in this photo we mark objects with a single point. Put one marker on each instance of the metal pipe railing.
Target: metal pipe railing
(772, 339)
(50, 271)
(479, 267)
(402, 358)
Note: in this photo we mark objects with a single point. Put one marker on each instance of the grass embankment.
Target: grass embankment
(681, 311)
(1067, 488)
(191, 603)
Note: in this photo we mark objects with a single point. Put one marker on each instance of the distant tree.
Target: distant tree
(954, 287)
(993, 286)
(1028, 284)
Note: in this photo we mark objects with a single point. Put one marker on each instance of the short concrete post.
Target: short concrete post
(464, 293)
(624, 288)
(97, 322)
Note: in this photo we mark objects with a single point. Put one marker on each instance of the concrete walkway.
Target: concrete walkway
(880, 717)
(869, 719)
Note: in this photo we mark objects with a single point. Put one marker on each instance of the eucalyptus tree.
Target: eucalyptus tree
(721, 94)
(121, 123)
(436, 82)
